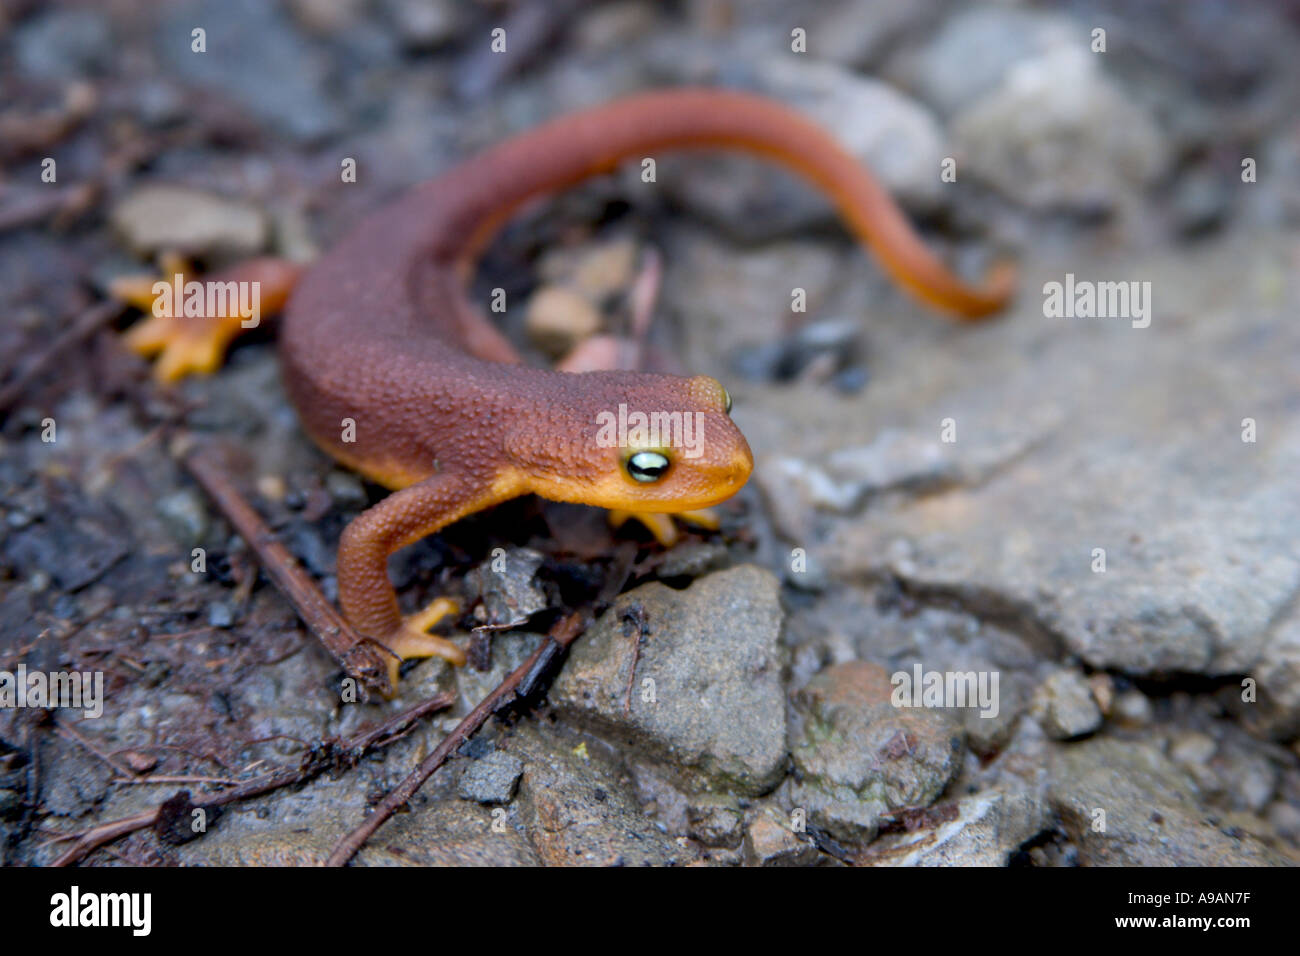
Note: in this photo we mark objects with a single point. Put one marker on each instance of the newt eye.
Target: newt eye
(647, 466)
(726, 397)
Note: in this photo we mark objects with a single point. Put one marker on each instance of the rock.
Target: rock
(505, 587)
(425, 24)
(220, 614)
(693, 559)
(897, 138)
(1059, 134)
(579, 809)
(706, 698)
(1198, 531)
(491, 779)
(1275, 710)
(614, 26)
(155, 218)
(1192, 750)
(186, 515)
(974, 51)
(896, 461)
(986, 830)
(1285, 819)
(1065, 707)
(769, 841)
(1123, 803)
(858, 756)
(1133, 707)
(595, 271)
(716, 821)
(559, 318)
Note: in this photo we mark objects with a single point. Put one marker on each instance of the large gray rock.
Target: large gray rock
(1199, 527)
(706, 699)
(1059, 133)
(972, 53)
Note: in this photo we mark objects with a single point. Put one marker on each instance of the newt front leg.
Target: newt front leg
(366, 594)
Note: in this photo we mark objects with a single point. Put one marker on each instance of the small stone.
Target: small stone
(1103, 692)
(505, 587)
(693, 559)
(491, 779)
(345, 488)
(1285, 817)
(272, 488)
(559, 318)
(985, 830)
(139, 762)
(1133, 707)
(1192, 749)
(186, 516)
(716, 822)
(220, 614)
(605, 270)
(425, 24)
(176, 218)
(769, 842)
(1065, 707)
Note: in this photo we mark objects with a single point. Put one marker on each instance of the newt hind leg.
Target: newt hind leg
(192, 339)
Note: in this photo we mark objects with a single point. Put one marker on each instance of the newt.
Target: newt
(397, 375)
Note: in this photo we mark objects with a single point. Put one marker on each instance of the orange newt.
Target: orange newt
(397, 375)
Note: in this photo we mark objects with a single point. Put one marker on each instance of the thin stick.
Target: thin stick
(87, 324)
(66, 730)
(358, 656)
(317, 760)
(561, 636)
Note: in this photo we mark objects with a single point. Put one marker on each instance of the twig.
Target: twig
(358, 656)
(520, 681)
(634, 615)
(86, 325)
(316, 761)
(157, 780)
(66, 730)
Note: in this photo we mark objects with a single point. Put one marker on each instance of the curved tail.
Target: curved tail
(473, 200)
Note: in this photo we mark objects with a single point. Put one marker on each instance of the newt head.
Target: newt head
(633, 441)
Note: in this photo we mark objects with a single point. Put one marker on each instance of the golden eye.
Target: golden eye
(647, 466)
(726, 397)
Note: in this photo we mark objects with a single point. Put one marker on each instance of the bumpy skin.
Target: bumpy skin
(380, 332)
